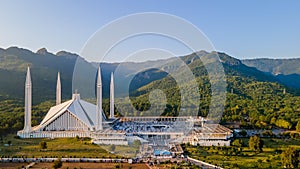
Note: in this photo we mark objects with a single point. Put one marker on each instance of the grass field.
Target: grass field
(126, 151)
(231, 157)
(92, 165)
(60, 147)
(76, 165)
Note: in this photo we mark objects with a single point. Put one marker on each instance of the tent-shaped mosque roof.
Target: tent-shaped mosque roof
(83, 110)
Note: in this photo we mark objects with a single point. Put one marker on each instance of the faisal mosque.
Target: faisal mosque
(77, 117)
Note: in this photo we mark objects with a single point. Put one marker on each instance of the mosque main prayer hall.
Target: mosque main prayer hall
(77, 117)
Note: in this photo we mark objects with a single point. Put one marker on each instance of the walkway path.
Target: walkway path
(30, 165)
(202, 163)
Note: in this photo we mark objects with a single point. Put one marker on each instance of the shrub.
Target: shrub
(57, 163)
(43, 145)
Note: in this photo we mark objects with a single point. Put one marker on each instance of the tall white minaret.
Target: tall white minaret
(58, 90)
(99, 102)
(28, 89)
(112, 95)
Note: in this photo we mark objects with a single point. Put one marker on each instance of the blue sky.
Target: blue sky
(243, 29)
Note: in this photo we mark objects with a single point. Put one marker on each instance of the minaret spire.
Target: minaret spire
(58, 90)
(28, 97)
(99, 101)
(112, 95)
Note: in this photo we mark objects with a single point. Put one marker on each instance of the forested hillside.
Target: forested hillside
(254, 98)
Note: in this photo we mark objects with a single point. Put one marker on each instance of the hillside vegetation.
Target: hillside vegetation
(254, 99)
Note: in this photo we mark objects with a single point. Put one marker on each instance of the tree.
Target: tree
(289, 158)
(273, 120)
(237, 143)
(77, 137)
(136, 143)
(256, 143)
(43, 145)
(298, 126)
(112, 147)
(268, 133)
(57, 163)
(283, 124)
(243, 133)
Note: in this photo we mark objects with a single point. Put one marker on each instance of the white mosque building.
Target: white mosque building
(72, 118)
(77, 117)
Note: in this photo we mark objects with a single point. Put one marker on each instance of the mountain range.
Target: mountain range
(260, 92)
(45, 65)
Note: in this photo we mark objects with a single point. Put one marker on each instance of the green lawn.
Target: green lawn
(231, 157)
(60, 147)
(126, 151)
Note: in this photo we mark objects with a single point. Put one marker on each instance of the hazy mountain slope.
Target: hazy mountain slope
(275, 66)
(44, 68)
(286, 71)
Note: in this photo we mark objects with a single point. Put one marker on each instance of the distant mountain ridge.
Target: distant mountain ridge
(287, 71)
(45, 65)
(275, 66)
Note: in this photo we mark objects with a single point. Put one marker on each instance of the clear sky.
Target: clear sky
(243, 29)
